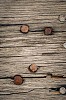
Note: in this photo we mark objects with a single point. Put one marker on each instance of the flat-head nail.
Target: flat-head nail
(18, 80)
(64, 45)
(33, 68)
(48, 31)
(62, 18)
(24, 29)
(62, 90)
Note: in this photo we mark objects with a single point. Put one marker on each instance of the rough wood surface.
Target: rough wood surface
(18, 51)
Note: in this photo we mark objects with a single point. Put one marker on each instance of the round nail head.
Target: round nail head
(62, 90)
(24, 28)
(62, 18)
(18, 80)
(48, 31)
(64, 45)
(33, 68)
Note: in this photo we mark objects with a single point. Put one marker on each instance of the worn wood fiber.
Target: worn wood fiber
(18, 51)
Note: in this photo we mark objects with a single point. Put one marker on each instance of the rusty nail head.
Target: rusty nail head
(24, 29)
(62, 90)
(33, 68)
(18, 80)
(48, 31)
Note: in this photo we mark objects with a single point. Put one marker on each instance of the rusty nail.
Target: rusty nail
(33, 68)
(48, 31)
(24, 29)
(18, 80)
(62, 90)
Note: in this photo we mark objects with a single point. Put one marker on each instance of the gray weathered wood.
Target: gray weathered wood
(18, 51)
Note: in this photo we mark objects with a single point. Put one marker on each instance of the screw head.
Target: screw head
(18, 80)
(24, 29)
(48, 31)
(33, 68)
(62, 90)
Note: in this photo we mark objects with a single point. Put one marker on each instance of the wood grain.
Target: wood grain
(18, 51)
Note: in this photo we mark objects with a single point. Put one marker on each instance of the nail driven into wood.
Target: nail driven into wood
(48, 31)
(62, 90)
(18, 80)
(62, 18)
(24, 29)
(64, 45)
(33, 68)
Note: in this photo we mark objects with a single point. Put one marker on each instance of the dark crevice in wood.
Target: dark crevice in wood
(15, 46)
(48, 74)
(61, 1)
(60, 62)
(4, 25)
(10, 24)
(36, 30)
(23, 77)
(64, 85)
(16, 93)
(36, 77)
(55, 76)
(57, 89)
(53, 89)
(51, 53)
(5, 77)
(23, 93)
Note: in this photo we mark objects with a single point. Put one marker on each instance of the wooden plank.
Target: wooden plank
(18, 51)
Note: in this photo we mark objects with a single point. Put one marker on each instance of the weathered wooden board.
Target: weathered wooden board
(18, 51)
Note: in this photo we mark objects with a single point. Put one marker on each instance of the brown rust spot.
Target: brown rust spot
(18, 80)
